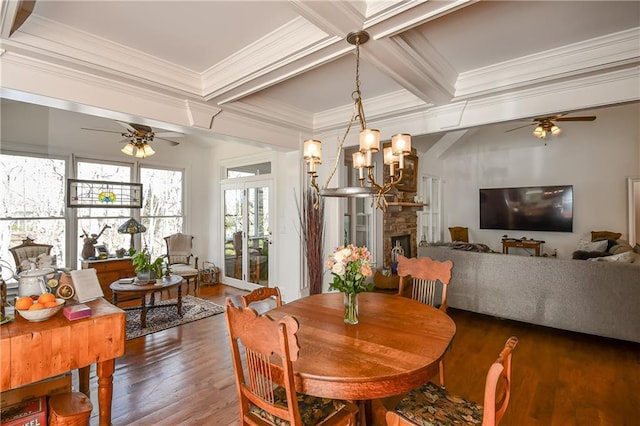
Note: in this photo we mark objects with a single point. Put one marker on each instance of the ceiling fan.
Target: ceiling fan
(138, 137)
(547, 127)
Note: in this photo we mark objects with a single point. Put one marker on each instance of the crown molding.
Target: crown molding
(80, 89)
(62, 44)
(291, 42)
(274, 112)
(601, 53)
(389, 18)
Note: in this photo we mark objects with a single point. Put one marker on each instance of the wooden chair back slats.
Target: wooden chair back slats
(421, 274)
(424, 291)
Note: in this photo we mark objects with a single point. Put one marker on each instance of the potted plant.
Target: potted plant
(146, 268)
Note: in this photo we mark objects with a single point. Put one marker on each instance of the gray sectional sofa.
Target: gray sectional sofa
(600, 298)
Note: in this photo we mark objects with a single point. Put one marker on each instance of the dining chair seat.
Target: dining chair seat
(313, 410)
(432, 405)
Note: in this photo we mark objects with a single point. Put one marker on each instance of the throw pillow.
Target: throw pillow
(584, 255)
(600, 246)
(608, 235)
(620, 248)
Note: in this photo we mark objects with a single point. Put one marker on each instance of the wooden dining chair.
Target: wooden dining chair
(265, 382)
(434, 406)
(459, 233)
(262, 299)
(419, 279)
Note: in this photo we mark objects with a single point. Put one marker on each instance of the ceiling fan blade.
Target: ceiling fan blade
(520, 127)
(103, 130)
(168, 134)
(173, 143)
(127, 126)
(585, 118)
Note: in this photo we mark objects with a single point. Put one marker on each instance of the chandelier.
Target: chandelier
(139, 148)
(363, 160)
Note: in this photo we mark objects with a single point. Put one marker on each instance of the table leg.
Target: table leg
(143, 312)
(105, 370)
(83, 380)
(180, 300)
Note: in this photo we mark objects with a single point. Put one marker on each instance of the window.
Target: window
(103, 221)
(257, 169)
(431, 217)
(162, 206)
(32, 203)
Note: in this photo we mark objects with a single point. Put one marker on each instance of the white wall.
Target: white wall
(595, 157)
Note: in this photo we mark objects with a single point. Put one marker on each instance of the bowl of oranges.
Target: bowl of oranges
(38, 308)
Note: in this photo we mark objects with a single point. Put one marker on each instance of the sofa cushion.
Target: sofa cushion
(608, 235)
(584, 245)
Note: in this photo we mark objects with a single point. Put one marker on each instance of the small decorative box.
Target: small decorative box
(74, 312)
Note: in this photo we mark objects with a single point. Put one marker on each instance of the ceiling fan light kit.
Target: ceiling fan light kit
(138, 138)
(545, 129)
(546, 126)
(138, 149)
(369, 144)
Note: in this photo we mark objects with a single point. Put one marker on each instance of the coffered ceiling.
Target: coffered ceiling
(285, 68)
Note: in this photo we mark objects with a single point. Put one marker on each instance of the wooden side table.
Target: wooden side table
(536, 245)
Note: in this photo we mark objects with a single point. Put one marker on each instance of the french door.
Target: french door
(247, 232)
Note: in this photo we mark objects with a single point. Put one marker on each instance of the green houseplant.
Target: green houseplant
(146, 268)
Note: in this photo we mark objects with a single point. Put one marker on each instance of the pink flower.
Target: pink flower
(365, 270)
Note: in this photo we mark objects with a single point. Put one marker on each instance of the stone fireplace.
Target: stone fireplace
(400, 226)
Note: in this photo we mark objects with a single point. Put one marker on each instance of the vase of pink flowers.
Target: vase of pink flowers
(350, 267)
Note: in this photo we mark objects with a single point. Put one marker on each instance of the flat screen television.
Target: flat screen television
(532, 208)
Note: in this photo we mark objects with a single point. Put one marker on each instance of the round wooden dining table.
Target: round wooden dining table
(395, 347)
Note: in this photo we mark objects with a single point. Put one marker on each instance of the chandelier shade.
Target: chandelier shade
(363, 160)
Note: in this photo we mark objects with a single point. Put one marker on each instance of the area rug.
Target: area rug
(163, 317)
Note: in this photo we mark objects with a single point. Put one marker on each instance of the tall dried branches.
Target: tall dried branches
(312, 230)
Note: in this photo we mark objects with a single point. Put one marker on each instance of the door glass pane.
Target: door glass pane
(258, 235)
(233, 225)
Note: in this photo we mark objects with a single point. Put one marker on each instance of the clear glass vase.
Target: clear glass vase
(350, 308)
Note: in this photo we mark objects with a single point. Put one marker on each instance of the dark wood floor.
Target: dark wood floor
(184, 375)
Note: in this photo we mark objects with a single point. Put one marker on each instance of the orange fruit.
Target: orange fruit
(24, 302)
(51, 304)
(46, 297)
(36, 306)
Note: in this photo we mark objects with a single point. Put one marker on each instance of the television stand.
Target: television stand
(523, 243)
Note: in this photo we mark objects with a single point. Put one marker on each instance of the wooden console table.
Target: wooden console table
(110, 270)
(33, 351)
(527, 244)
